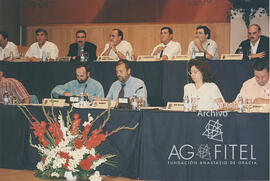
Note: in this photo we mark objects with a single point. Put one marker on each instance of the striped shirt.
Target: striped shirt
(14, 88)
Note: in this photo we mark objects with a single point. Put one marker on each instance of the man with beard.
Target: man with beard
(256, 46)
(83, 85)
(126, 85)
(168, 48)
(82, 46)
(203, 43)
(257, 89)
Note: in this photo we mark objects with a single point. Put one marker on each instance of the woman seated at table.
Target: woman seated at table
(202, 89)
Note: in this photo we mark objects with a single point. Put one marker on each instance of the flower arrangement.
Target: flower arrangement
(69, 149)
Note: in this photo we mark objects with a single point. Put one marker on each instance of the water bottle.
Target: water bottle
(240, 104)
(134, 102)
(82, 54)
(81, 100)
(127, 56)
(6, 98)
(186, 103)
(11, 56)
(44, 57)
(193, 54)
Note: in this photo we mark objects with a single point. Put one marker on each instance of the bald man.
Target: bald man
(256, 46)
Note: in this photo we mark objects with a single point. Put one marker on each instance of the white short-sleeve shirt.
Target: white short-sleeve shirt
(123, 47)
(48, 47)
(206, 94)
(171, 49)
(10, 47)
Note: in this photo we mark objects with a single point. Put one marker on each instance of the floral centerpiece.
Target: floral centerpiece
(68, 148)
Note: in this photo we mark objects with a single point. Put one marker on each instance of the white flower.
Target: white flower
(98, 162)
(40, 166)
(90, 119)
(58, 162)
(54, 174)
(95, 177)
(69, 176)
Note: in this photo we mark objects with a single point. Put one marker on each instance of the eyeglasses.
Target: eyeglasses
(112, 35)
(195, 72)
(80, 37)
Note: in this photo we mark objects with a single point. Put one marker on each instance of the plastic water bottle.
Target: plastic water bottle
(186, 103)
(134, 102)
(240, 104)
(193, 54)
(81, 100)
(11, 56)
(44, 57)
(128, 56)
(6, 98)
(82, 54)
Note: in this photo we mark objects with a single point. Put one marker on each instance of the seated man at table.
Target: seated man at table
(257, 89)
(42, 48)
(203, 43)
(14, 88)
(7, 49)
(256, 46)
(168, 48)
(117, 47)
(126, 85)
(82, 47)
(83, 85)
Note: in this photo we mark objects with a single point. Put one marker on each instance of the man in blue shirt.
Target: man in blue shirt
(83, 85)
(126, 85)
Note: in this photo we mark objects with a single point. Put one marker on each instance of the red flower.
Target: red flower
(43, 159)
(75, 125)
(56, 132)
(66, 156)
(95, 139)
(86, 164)
(78, 143)
(76, 116)
(86, 131)
(45, 143)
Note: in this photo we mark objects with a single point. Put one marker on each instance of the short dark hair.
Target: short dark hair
(4, 34)
(120, 33)
(81, 31)
(123, 61)
(206, 30)
(204, 68)
(41, 30)
(259, 65)
(258, 26)
(168, 28)
(80, 65)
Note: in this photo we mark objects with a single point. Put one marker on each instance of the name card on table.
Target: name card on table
(107, 58)
(54, 102)
(231, 57)
(146, 58)
(182, 57)
(103, 104)
(175, 106)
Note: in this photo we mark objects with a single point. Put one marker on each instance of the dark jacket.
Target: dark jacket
(262, 47)
(90, 48)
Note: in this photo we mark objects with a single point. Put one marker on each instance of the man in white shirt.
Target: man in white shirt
(7, 49)
(168, 48)
(42, 48)
(117, 47)
(203, 43)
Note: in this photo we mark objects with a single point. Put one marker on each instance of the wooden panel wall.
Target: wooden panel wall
(143, 37)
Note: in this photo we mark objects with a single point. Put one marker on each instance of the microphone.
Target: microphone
(138, 89)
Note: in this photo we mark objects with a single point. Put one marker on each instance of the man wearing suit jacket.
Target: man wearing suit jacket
(257, 45)
(82, 46)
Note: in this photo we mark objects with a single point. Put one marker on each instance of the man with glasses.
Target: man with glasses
(168, 48)
(117, 47)
(42, 48)
(76, 50)
(203, 43)
(256, 46)
(257, 89)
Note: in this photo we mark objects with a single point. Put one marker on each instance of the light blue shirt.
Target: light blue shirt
(132, 85)
(94, 88)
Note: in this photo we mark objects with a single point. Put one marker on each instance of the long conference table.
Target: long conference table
(164, 80)
(166, 145)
